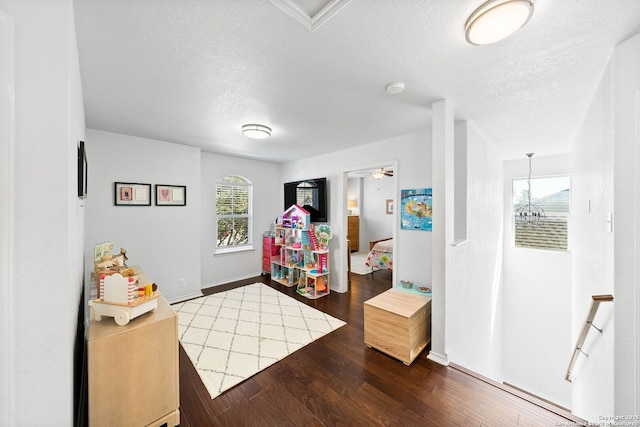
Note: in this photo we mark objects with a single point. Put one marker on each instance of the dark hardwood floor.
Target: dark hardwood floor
(337, 380)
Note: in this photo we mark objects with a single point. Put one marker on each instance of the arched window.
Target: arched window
(234, 214)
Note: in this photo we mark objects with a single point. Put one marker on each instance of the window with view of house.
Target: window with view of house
(552, 196)
(233, 213)
(307, 194)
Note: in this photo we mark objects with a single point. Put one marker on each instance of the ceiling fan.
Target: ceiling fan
(379, 173)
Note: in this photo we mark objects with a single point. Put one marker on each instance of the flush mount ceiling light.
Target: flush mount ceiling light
(496, 20)
(256, 131)
(394, 88)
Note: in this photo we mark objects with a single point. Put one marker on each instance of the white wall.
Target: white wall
(164, 241)
(354, 192)
(268, 202)
(413, 153)
(47, 218)
(375, 224)
(607, 180)
(537, 299)
(7, 68)
(591, 243)
(627, 227)
(461, 184)
(474, 268)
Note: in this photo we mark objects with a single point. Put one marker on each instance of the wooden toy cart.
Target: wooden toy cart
(123, 313)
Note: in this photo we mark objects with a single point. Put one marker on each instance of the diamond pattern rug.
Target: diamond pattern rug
(230, 336)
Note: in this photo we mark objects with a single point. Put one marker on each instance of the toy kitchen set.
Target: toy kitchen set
(123, 292)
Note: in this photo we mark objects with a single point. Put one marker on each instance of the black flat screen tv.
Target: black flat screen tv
(311, 194)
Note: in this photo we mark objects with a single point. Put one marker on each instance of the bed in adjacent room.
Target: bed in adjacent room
(380, 255)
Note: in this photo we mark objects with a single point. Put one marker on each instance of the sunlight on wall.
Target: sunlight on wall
(496, 305)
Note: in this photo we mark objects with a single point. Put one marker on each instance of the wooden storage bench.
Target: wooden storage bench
(398, 323)
(133, 370)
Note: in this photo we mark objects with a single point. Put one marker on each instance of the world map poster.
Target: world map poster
(416, 209)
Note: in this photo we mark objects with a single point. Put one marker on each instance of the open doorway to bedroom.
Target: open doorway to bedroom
(370, 194)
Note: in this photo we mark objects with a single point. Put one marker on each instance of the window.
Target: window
(552, 195)
(233, 214)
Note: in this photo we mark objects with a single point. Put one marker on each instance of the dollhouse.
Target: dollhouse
(303, 260)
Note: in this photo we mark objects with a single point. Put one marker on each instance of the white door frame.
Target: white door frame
(344, 212)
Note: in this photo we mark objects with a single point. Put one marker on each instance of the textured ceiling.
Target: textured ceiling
(194, 71)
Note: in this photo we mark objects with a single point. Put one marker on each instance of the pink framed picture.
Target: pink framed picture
(132, 194)
(171, 195)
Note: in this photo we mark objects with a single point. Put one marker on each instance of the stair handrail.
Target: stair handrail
(595, 303)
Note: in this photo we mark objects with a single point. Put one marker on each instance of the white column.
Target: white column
(626, 228)
(443, 222)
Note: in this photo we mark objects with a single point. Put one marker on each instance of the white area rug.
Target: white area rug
(357, 263)
(232, 335)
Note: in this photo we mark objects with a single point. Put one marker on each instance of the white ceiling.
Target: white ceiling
(194, 71)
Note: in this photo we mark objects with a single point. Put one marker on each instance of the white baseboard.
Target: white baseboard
(185, 297)
(211, 285)
(231, 279)
(438, 358)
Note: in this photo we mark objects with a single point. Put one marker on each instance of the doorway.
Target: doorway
(368, 212)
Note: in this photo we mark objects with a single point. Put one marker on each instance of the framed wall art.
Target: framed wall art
(101, 250)
(171, 195)
(131, 194)
(416, 209)
(389, 206)
(82, 171)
